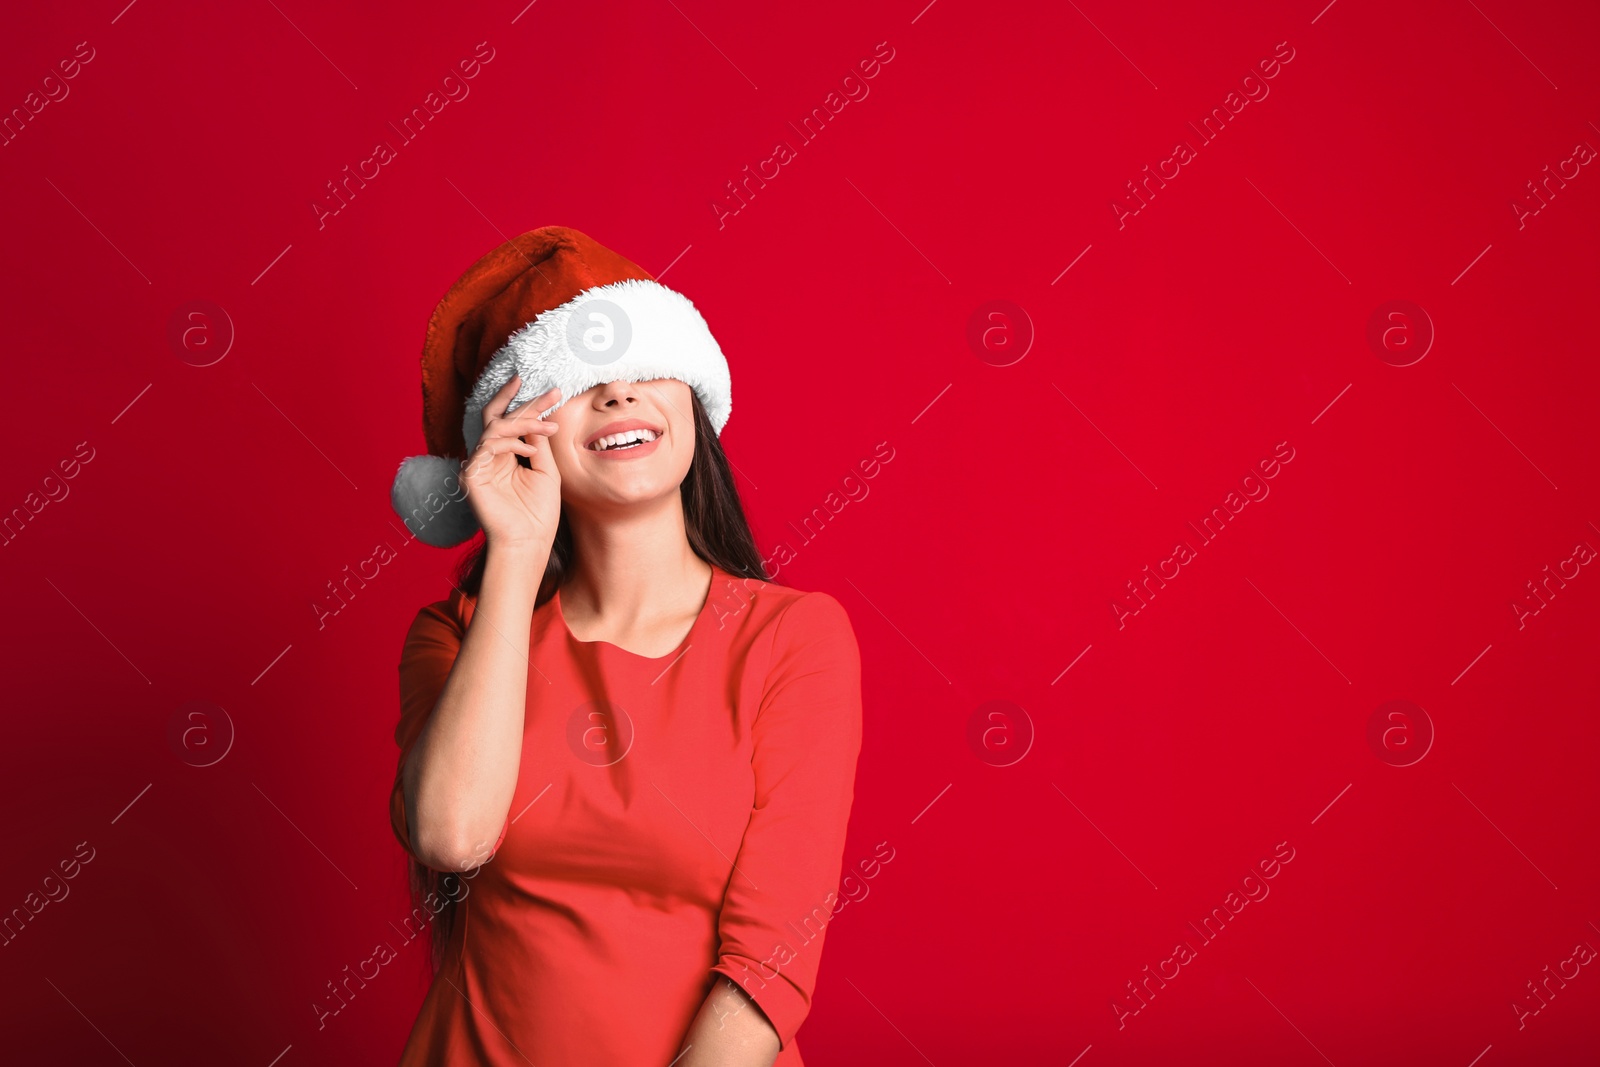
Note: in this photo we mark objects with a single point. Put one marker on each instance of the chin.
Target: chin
(632, 489)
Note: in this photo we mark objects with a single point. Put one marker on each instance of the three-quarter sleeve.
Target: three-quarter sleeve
(806, 736)
(430, 650)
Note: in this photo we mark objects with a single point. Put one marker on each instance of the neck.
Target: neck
(634, 563)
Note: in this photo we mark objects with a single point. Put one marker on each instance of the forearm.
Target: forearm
(460, 775)
(729, 1031)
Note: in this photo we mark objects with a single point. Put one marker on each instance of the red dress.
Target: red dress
(676, 819)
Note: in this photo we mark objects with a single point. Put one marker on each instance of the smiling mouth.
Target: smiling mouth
(619, 442)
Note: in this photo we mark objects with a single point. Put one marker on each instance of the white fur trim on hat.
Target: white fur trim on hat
(632, 330)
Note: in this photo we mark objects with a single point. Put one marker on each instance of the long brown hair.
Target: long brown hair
(718, 532)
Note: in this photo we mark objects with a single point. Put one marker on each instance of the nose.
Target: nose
(618, 394)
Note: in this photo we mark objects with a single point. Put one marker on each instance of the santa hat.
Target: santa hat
(561, 310)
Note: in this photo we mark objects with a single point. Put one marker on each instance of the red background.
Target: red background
(1230, 314)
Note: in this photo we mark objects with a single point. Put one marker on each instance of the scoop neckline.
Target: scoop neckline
(688, 638)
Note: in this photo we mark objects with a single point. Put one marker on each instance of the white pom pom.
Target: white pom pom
(428, 494)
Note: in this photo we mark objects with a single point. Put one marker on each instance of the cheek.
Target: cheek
(565, 440)
(561, 449)
(683, 444)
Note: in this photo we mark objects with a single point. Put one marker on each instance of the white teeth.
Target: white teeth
(626, 437)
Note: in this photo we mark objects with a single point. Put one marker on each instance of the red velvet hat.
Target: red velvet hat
(562, 310)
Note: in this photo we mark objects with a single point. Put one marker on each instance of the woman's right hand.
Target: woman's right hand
(515, 505)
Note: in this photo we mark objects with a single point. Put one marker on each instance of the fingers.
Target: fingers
(531, 409)
(510, 444)
(501, 399)
(503, 396)
(482, 459)
(526, 421)
(517, 428)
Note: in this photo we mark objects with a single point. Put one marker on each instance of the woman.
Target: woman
(626, 759)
